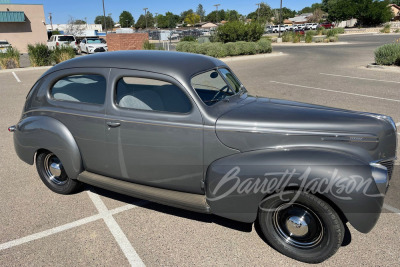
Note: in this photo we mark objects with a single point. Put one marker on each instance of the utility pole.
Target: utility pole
(145, 15)
(216, 6)
(104, 18)
(127, 23)
(280, 20)
(51, 21)
(86, 22)
(156, 19)
(258, 11)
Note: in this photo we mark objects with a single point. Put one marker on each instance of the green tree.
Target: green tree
(126, 19)
(232, 15)
(169, 20)
(141, 22)
(185, 13)
(311, 9)
(264, 11)
(201, 12)
(238, 31)
(216, 17)
(192, 19)
(109, 21)
(79, 22)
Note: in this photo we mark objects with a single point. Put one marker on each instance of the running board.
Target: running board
(187, 201)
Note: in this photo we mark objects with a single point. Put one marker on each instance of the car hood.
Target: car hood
(270, 123)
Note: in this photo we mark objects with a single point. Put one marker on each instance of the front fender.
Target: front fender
(41, 132)
(236, 185)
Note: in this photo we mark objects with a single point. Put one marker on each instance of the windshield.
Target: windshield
(216, 85)
(93, 41)
(3, 43)
(66, 38)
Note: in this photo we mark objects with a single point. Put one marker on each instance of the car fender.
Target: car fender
(42, 132)
(237, 184)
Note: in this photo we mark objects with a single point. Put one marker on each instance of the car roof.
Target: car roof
(171, 63)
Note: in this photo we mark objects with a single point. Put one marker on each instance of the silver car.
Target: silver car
(181, 130)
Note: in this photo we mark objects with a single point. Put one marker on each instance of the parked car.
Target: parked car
(180, 129)
(276, 28)
(4, 45)
(327, 25)
(311, 26)
(268, 29)
(62, 40)
(93, 45)
(299, 26)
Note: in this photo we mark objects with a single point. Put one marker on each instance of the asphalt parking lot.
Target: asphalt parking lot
(96, 227)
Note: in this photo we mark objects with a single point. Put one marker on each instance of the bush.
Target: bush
(238, 31)
(296, 38)
(39, 55)
(397, 31)
(148, 46)
(386, 28)
(264, 46)
(330, 33)
(320, 30)
(310, 35)
(388, 54)
(63, 53)
(9, 59)
(333, 39)
(229, 49)
(287, 37)
(188, 39)
(339, 30)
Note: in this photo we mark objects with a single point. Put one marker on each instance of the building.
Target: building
(301, 19)
(396, 12)
(22, 24)
(75, 27)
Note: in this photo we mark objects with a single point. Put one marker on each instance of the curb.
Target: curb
(311, 44)
(238, 58)
(25, 69)
(373, 66)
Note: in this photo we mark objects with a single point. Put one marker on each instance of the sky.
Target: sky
(81, 9)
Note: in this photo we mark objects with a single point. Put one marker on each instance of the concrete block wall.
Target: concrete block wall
(126, 41)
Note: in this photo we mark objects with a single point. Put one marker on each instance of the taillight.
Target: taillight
(11, 129)
(76, 43)
(57, 44)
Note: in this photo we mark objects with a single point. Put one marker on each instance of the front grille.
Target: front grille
(100, 49)
(389, 166)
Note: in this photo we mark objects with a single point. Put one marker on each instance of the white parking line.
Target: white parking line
(359, 78)
(16, 77)
(116, 231)
(392, 209)
(62, 228)
(334, 91)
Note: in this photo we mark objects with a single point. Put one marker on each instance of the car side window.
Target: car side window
(87, 88)
(150, 94)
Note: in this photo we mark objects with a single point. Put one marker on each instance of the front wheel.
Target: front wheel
(53, 175)
(301, 226)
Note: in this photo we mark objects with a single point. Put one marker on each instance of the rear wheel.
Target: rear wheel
(306, 229)
(53, 175)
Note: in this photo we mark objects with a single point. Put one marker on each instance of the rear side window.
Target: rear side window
(86, 88)
(149, 94)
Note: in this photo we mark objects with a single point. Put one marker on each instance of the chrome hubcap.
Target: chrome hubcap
(54, 170)
(298, 226)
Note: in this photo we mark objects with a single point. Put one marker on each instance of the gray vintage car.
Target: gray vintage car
(181, 130)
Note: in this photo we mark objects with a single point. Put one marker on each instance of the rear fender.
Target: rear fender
(41, 132)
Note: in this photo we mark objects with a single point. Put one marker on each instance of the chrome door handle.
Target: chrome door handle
(113, 124)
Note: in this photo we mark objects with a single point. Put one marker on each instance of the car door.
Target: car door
(155, 132)
(83, 45)
(76, 97)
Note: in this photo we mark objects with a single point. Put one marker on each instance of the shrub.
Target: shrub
(397, 31)
(238, 31)
(309, 36)
(330, 33)
(339, 30)
(233, 49)
(9, 59)
(39, 55)
(296, 38)
(264, 46)
(63, 53)
(333, 39)
(188, 39)
(320, 30)
(326, 40)
(148, 46)
(386, 28)
(388, 54)
(287, 37)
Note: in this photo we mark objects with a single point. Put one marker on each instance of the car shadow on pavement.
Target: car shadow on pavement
(207, 218)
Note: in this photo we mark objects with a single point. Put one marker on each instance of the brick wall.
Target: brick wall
(126, 41)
